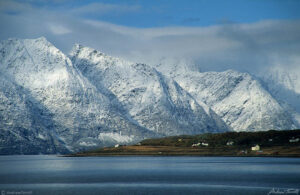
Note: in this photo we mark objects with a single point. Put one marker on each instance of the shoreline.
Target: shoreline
(156, 151)
(179, 155)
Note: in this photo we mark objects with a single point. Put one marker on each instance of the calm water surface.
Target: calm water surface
(147, 175)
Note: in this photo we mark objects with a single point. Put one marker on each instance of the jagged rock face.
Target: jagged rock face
(239, 99)
(154, 101)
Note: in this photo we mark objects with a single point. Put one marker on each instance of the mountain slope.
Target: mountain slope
(82, 115)
(154, 101)
(239, 99)
(25, 127)
(284, 84)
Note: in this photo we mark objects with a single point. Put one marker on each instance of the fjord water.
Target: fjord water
(43, 174)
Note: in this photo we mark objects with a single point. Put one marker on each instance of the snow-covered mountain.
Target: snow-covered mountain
(50, 105)
(152, 100)
(78, 114)
(25, 126)
(284, 85)
(56, 103)
(238, 98)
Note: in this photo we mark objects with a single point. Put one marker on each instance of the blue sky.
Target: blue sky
(245, 35)
(159, 13)
(207, 12)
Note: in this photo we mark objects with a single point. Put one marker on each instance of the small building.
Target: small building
(180, 140)
(197, 144)
(255, 148)
(230, 143)
(117, 145)
(200, 144)
(294, 140)
(270, 140)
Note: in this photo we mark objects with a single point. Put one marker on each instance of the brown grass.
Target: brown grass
(288, 151)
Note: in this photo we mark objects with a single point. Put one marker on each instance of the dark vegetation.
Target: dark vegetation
(242, 139)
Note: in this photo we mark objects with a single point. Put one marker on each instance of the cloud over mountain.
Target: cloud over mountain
(250, 47)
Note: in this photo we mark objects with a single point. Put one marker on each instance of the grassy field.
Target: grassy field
(272, 143)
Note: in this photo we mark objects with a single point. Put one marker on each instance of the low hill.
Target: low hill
(268, 143)
(240, 139)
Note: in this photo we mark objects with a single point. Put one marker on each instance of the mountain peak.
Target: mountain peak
(37, 40)
(76, 47)
(80, 51)
(95, 57)
(15, 43)
(40, 39)
(79, 48)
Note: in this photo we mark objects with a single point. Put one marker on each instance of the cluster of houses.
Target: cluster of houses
(200, 144)
(229, 143)
(254, 148)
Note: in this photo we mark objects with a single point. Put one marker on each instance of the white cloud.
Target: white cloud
(244, 47)
(58, 29)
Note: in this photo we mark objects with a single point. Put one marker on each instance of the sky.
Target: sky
(211, 35)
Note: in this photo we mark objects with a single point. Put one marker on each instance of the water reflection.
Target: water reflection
(151, 174)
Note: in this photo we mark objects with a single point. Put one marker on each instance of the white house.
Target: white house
(195, 145)
(255, 148)
(294, 140)
(230, 143)
(117, 145)
(198, 144)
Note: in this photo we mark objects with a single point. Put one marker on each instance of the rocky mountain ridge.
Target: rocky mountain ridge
(56, 103)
